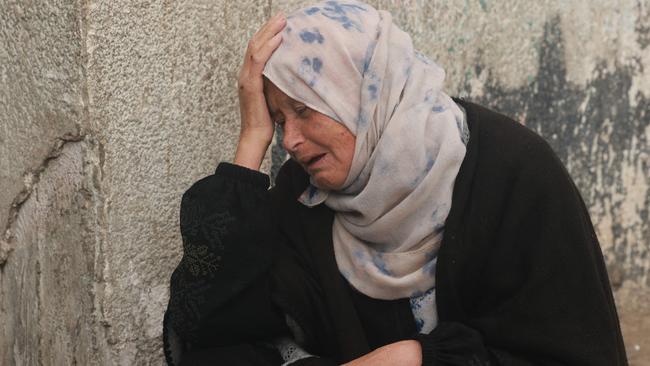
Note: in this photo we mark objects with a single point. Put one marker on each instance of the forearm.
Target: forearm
(250, 151)
(403, 353)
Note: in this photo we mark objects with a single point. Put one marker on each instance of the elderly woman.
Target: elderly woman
(408, 228)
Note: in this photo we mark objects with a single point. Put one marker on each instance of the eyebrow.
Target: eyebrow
(274, 112)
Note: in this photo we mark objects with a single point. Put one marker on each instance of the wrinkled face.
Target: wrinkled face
(322, 146)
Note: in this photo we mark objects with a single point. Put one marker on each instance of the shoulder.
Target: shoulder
(502, 144)
(509, 168)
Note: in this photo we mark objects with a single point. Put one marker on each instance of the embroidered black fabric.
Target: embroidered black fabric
(215, 277)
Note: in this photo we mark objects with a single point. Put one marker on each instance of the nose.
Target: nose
(292, 137)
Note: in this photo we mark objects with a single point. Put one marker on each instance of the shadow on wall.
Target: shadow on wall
(595, 129)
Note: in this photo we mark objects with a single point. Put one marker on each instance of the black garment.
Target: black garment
(520, 278)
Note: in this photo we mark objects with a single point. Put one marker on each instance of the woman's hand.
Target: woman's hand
(256, 131)
(403, 353)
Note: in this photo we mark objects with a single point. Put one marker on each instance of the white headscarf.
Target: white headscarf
(350, 62)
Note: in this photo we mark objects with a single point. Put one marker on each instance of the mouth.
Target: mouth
(314, 161)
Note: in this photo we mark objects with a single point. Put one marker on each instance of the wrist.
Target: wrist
(255, 136)
(250, 151)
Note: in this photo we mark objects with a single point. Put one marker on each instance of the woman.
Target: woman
(406, 229)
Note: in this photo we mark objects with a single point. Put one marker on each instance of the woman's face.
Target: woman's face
(322, 146)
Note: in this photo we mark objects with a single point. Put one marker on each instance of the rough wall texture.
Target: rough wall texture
(109, 110)
(161, 81)
(47, 306)
(46, 257)
(40, 91)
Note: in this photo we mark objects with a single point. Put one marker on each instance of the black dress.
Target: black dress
(520, 278)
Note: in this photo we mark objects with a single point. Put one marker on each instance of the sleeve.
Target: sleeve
(452, 343)
(539, 293)
(219, 292)
(313, 361)
(293, 354)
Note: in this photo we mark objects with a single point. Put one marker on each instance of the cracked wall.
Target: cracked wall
(146, 94)
(46, 284)
(40, 83)
(46, 252)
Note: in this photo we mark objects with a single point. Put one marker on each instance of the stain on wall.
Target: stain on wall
(601, 134)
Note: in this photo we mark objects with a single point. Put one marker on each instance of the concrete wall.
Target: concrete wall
(109, 110)
(46, 247)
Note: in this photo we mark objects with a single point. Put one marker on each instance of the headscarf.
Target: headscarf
(349, 61)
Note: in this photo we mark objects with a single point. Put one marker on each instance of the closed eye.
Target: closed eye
(302, 110)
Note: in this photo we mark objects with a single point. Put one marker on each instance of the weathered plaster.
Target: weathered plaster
(45, 286)
(39, 92)
(162, 92)
(45, 304)
(601, 137)
(30, 179)
(151, 87)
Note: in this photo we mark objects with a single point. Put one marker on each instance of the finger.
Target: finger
(268, 23)
(262, 55)
(260, 37)
(275, 25)
(256, 38)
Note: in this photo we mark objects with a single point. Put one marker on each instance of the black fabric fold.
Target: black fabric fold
(243, 354)
(314, 361)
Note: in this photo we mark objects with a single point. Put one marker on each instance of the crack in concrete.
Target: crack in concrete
(30, 180)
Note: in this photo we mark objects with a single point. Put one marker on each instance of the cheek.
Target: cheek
(343, 155)
(347, 148)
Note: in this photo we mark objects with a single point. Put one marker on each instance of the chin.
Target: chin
(325, 183)
(320, 184)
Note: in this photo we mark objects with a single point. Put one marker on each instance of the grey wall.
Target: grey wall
(46, 252)
(109, 110)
